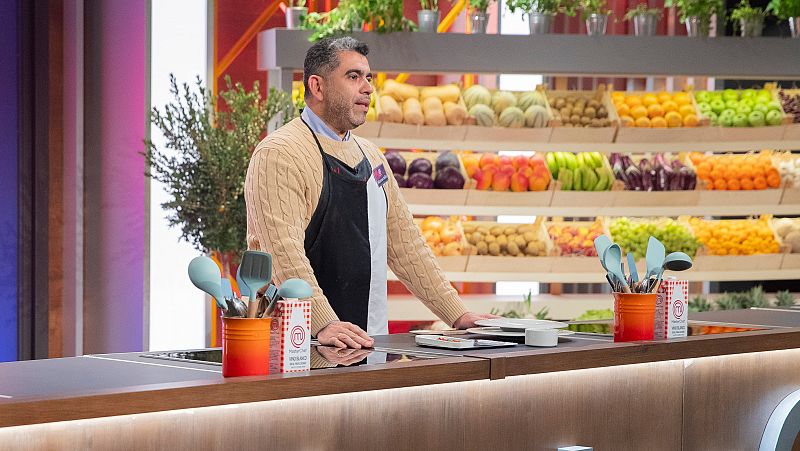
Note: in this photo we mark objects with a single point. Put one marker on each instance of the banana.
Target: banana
(597, 158)
(552, 164)
(560, 160)
(565, 177)
(581, 159)
(572, 161)
(589, 179)
(602, 183)
(577, 178)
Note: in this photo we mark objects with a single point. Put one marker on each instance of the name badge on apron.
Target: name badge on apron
(380, 175)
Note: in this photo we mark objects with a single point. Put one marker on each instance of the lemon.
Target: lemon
(673, 119)
(655, 110)
(643, 122)
(623, 109)
(686, 110)
(669, 105)
(682, 98)
(664, 96)
(633, 100)
(649, 99)
(638, 111)
(626, 121)
(690, 120)
(658, 122)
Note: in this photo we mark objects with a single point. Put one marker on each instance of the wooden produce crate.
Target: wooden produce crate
(456, 263)
(369, 129)
(564, 134)
(626, 198)
(508, 263)
(664, 135)
(416, 196)
(705, 261)
(393, 130)
(509, 199)
(571, 262)
(706, 196)
(597, 199)
(792, 132)
(766, 133)
(791, 193)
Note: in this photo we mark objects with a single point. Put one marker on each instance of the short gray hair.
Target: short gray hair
(323, 57)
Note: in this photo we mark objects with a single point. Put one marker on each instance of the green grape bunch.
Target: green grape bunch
(633, 235)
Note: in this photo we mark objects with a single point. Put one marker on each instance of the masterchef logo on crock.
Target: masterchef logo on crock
(298, 336)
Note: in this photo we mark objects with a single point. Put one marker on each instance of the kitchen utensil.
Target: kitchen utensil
(634, 316)
(243, 290)
(205, 275)
(612, 257)
(601, 243)
(654, 256)
(269, 299)
(676, 261)
(632, 267)
(520, 324)
(255, 271)
(295, 289)
(227, 288)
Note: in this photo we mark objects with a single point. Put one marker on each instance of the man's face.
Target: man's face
(346, 92)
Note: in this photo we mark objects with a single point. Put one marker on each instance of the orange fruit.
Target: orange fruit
(669, 105)
(720, 184)
(704, 167)
(690, 120)
(618, 96)
(643, 122)
(686, 110)
(623, 109)
(655, 110)
(674, 119)
(734, 185)
(649, 99)
(747, 184)
(626, 121)
(664, 96)
(760, 183)
(773, 181)
(638, 111)
(658, 122)
(633, 100)
(681, 98)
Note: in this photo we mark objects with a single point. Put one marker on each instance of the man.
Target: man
(324, 203)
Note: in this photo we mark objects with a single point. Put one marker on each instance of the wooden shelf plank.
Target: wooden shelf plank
(598, 276)
(583, 212)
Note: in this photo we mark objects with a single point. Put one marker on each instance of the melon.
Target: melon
(476, 95)
(512, 117)
(502, 100)
(483, 114)
(536, 116)
(529, 99)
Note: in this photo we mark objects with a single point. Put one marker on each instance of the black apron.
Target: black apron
(337, 242)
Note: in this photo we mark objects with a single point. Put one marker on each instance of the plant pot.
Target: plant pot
(697, 27)
(540, 23)
(794, 26)
(428, 20)
(645, 24)
(751, 27)
(479, 19)
(596, 24)
(295, 16)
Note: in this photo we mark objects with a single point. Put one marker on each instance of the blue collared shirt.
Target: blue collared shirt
(319, 126)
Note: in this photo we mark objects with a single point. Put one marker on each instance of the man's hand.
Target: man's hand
(344, 335)
(468, 319)
(341, 356)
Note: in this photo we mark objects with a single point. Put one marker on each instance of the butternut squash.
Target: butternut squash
(455, 113)
(412, 112)
(446, 93)
(400, 91)
(390, 110)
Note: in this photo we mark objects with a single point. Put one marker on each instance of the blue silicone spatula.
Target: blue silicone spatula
(205, 275)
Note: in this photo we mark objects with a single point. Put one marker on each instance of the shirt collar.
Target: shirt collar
(319, 126)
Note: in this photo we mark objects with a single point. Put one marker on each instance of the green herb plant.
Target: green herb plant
(385, 16)
(296, 3)
(525, 310)
(784, 9)
(568, 7)
(430, 5)
(205, 156)
(480, 5)
(702, 9)
(784, 298)
(642, 9)
(594, 7)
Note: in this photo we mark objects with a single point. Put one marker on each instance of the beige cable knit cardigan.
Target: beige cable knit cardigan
(282, 189)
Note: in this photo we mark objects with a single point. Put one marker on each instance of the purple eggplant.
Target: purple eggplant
(676, 164)
(615, 158)
(645, 166)
(634, 176)
(676, 182)
(658, 160)
(689, 181)
(648, 180)
(662, 180)
(627, 162)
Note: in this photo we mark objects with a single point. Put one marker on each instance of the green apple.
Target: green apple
(732, 104)
(740, 120)
(749, 94)
(743, 109)
(712, 116)
(717, 106)
(704, 107)
(761, 107)
(774, 117)
(727, 113)
(756, 119)
(774, 105)
(730, 94)
(716, 96)
(726, 120)
(703, 97)
(749, 102)
(763, 96)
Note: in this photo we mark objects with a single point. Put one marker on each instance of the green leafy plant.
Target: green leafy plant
(755, 298)
(784, 9)
(543, 6)
(525, 310)
(642, 9)
(384, 16)
(431, 5)
(728, 301)
(543, 313)
(205, 157)
(594, 7)
(702, 9)
(784, 298)
(480, 5)
(699, 304)
(746, 12)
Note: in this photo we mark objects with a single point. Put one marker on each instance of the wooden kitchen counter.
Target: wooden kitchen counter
(655, 378)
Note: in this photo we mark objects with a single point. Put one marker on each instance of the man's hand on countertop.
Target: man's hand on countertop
(468, 319)
(344, 335)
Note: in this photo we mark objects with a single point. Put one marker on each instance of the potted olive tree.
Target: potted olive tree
(541, 12)
(478, 15)
(295, 14)
(204, 161)
(595, 13)
(697, 14)
(787, 10)
(644, 18)
(748, 20)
